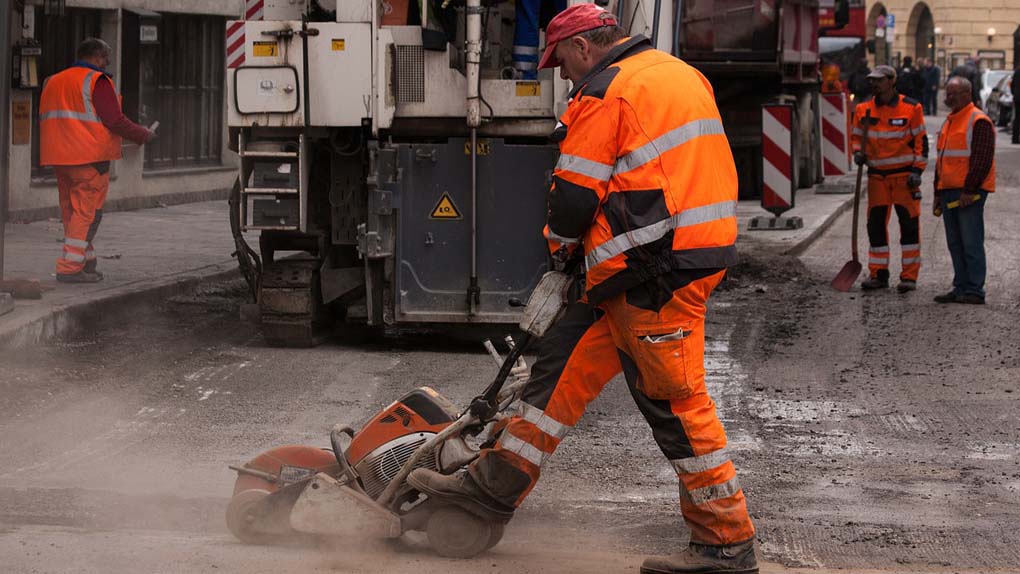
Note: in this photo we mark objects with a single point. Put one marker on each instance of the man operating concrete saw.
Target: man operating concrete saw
(646, 190)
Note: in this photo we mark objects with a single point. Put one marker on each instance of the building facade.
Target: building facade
(168, 66)
(947, 31)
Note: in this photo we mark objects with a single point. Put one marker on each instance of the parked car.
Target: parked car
(989, 80)
(999, 105)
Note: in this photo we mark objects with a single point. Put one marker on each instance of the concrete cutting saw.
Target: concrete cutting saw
(359, 488)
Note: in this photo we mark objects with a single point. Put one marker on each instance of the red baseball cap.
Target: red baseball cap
(570, 22)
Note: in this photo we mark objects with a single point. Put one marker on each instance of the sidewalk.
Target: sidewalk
(817, 210)
(155, 253)
(143, 253)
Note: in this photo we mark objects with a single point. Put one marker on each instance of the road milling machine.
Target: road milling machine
(396, 168)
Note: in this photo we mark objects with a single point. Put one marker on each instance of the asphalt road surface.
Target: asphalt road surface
(871, 432)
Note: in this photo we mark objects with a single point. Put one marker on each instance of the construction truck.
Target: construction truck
(396, 168)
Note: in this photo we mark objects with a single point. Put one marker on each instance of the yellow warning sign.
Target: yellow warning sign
(528, 89)
(445, 209)
(263, 49)
(482, 147)
(339, 44)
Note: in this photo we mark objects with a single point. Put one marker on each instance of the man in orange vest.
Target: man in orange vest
(81, 125)
(964, 176)
(645, 190)
(896, 154)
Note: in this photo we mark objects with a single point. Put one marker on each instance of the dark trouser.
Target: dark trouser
(965, 237)
(930, 102)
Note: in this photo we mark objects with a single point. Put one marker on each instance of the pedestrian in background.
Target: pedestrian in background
(909, 81)
(81, 125)
(932, 76)
(858, 82)
(969, 71)
(896, 155)
(964, 176)
(645, 190)
(1014, 87)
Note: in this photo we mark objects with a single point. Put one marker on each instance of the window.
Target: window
(181, 83)
(960, 58)
(59, 36)
(992, 59)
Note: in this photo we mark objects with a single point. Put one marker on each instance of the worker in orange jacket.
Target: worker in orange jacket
(964, 178)
(896, 155)
(81, 125)
(645, 190)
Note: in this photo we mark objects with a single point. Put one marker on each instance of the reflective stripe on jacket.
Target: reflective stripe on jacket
(953, 150)
(897, 138)
(645, 176)
(70, 130)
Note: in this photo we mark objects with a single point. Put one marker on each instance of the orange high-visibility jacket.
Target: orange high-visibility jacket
(71, 132)
(897, 138)
(953, 150)
(645, 176)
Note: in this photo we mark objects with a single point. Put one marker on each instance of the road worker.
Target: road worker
(896, 155)
(964, 176)
(529, 16)
(645, 190)
(81, 125)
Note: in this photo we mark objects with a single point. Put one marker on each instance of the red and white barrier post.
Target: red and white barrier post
(835, 140)
(834, 121)
(777, 165)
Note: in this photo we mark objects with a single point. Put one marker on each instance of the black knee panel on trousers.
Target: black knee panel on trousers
(910, 227)
(667, 430)
(877, 217)
(94, 228)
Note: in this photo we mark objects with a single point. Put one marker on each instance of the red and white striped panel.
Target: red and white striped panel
(235, 43)
(253, 9)
(777, 157)
(835, 161)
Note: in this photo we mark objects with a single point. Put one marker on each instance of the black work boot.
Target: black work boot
(460, 489)
(90, 267)
(906, 285)
(79, 277)
(879, 281)
(703, 559)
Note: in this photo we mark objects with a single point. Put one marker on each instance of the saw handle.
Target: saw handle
(338, 451)
(486, 405)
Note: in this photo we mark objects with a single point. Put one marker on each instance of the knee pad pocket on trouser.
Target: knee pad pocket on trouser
(877, 221)
(94, 227)
(910, 225)
(667, 357)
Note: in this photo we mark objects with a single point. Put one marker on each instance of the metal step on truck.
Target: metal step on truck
(395, 165)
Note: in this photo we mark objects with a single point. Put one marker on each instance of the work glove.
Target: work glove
(914, 181)
(859, 158)
(936, 208)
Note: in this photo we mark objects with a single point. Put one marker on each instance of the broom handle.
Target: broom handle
(857, 189)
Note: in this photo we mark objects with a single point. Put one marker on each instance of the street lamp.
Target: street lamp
(991, 34)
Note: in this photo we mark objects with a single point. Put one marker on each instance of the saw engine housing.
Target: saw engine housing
(386, 442)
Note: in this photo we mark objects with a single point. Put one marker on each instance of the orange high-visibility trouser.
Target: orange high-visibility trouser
(884, 194)
(661, 353)
(82, 194)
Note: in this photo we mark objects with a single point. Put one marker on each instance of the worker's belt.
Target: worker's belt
(887, 172)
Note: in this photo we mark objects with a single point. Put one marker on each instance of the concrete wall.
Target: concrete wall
(962, 25)
(130, 187)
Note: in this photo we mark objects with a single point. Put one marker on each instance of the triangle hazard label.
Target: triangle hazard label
(445, 209)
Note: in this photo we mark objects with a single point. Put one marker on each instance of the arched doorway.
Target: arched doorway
(921, 32)
(876, 34)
